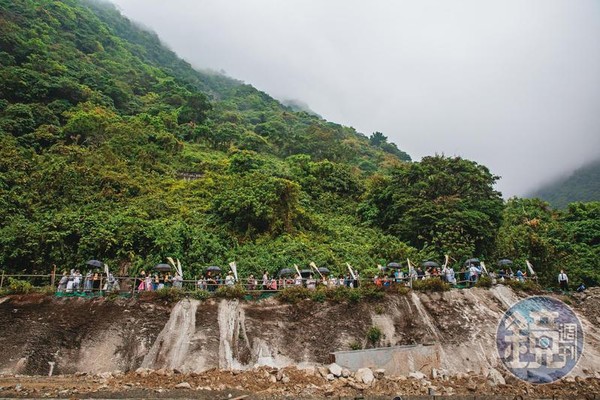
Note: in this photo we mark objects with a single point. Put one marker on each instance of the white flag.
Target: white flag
(233, 266)
(484, 268)
(298, 270)
(530, 267)
(351, 272)
(411, 269)
(179, 269)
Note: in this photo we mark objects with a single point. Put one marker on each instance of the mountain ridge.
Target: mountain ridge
(582, 185)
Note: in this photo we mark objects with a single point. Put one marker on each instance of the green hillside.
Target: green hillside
(581, 185)
(111, 147)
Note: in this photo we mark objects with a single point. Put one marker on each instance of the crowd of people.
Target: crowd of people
(75, 282)
(94, 280)
(210, 281)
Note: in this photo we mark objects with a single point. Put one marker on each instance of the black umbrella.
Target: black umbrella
(305, 273)
(394, 265)
(286, 272)
(213, 268)
(162, 267)
(472, 261)
(504, 261)
(95, 263)
(428, 264)
(324, 271)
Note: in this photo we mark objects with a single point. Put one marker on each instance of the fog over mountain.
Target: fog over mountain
(511, 84)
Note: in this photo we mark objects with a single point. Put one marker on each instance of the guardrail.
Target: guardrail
(133, 285)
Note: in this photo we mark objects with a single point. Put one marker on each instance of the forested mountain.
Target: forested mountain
(581, 185)
(112, 147)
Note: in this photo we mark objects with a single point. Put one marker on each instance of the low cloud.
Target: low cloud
(511, 84)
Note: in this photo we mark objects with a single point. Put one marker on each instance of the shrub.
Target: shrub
(293, 294)
(355, 346)
(354, 296)
(169, 295)
(200, 295)
(19, 287)
(398, 289)
(339, 294)
(430, 285)
(231, 292)
(371, 292)
(525, 286)
(112, 296)
(46, 290)
(484, 282)
(319, 295)
(374, 334)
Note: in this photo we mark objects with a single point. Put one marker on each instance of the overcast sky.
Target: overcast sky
(511, 84)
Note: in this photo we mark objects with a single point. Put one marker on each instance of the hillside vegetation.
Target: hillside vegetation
(112, 147)
(581, 185)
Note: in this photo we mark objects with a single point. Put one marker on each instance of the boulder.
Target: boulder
(345, 373)
(379, 373)
(183, 385)
(495, 378)
(417, 375)
(364, 375)
(335, 369)
(323, 371)
(330, 377)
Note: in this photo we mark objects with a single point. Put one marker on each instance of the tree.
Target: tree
(449, 203)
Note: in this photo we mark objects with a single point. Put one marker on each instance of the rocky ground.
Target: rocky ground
(271, 383)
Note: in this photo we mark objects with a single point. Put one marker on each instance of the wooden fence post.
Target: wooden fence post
(2, 279)
(53, 277)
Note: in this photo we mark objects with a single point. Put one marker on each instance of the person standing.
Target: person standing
(563, 280)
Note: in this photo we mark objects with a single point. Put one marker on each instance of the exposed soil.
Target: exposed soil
(44, 329)
(90, 341)
(262, 383)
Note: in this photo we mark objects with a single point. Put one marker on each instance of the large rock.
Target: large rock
(495, 378)
(323, 371)
(364, 375)
(335, 369)
(417, 375)
(183, 385)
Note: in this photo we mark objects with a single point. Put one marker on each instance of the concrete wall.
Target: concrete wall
(397, 360)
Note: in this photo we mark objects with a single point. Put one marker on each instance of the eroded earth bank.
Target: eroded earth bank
(136, 348)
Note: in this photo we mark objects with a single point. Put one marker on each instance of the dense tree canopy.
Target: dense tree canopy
(112, 147)
(445, 203)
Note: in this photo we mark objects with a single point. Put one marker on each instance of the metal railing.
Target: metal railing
(102, 285)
